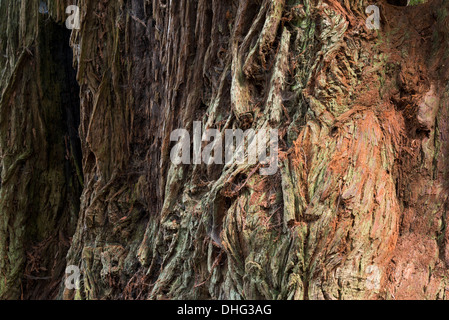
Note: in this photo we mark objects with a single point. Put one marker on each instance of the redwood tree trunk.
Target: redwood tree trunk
(357, 209)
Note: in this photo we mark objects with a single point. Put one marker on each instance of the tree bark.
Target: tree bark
(357, 209)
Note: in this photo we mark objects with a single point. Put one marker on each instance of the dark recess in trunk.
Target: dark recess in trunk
(60, 107)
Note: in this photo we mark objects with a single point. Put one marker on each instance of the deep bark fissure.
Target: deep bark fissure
(40, 194)
(61, 116)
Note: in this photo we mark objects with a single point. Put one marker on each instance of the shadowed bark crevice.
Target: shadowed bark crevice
(40, 194)
(60, 109)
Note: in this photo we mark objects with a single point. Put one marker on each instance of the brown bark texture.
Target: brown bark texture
(357, 210)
